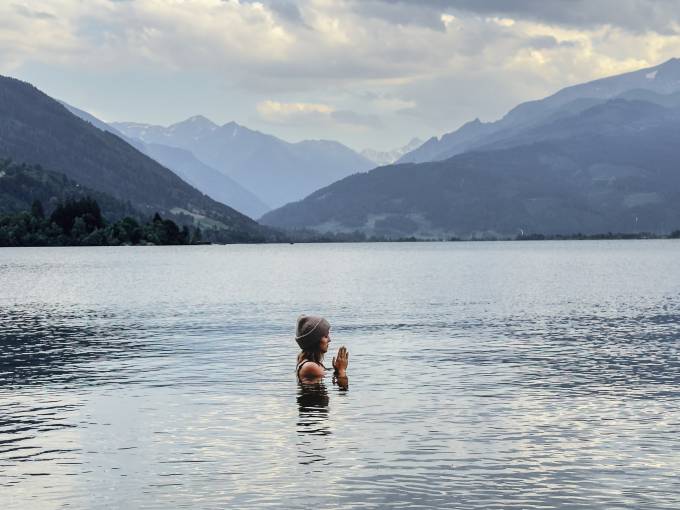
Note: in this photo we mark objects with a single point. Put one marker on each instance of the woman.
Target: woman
(313, 334)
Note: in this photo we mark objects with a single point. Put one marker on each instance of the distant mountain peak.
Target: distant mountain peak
(274, 170)
(233, 129)
(389, 157)
(196, 122)
(668, 71)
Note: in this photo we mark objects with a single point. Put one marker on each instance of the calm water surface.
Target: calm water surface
(482, 375)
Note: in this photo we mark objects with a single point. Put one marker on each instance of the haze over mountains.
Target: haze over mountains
(593, 158)
(389, 157)
(657, 81)
(184, 164)
(275, 171)
(36, 129)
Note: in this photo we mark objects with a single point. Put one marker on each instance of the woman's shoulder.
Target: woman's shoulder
(309, 369)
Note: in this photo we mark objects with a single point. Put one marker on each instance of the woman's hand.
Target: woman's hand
(341, 361)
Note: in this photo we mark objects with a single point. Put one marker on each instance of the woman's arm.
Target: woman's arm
(340, 363)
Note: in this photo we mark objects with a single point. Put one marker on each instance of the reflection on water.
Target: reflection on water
(312, 425)
(312, 402)
(45, 346)
(484, 375)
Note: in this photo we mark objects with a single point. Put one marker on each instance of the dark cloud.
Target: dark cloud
(405, 13)
(661, 16)
(548, 42)
(285, 10)
(29, 13)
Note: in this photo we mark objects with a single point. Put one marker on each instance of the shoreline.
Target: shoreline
(381, 241)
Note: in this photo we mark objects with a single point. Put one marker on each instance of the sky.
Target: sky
(368, 73)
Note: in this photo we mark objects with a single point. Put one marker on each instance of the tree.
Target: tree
(37, 209)
(197, 237)
(129, 231)
(66, 213)
(79, 230)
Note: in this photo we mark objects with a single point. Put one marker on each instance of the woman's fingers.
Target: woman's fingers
(343, 356)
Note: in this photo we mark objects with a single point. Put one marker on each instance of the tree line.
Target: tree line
(79, 222)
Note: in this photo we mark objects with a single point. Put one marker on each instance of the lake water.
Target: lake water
(482, 375)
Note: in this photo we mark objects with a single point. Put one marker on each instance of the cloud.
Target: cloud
(425, 65)
(285, 10)
(661, 16)
(292, 113)
(401, 13)
(547, 42)
(284, 45)
(22, 10)
(282, 112)
(349, 117)
(33, 32)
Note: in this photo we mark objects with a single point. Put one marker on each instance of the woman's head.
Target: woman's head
(312, 334)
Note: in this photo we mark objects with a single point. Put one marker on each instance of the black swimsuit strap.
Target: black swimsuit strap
(307, 361)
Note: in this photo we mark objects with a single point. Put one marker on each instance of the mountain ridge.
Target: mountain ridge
(663, 78)
(37, 129)
(616, 172)
(275, 170)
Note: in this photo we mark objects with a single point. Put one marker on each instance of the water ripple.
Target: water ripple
(482, 376)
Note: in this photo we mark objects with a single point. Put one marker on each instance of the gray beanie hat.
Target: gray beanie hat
(310, 329)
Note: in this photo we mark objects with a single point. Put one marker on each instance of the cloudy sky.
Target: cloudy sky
(369, 73)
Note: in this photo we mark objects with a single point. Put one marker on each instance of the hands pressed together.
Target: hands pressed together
(341, 361)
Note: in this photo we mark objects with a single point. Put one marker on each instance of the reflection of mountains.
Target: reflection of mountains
(58, 346)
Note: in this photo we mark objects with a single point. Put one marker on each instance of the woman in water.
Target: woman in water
(313, 335)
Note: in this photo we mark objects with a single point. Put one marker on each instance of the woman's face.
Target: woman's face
(323, 345)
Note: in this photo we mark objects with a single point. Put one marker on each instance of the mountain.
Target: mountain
(660, 80)
(21, 184)
(213, 183)
(185, 165)
(37, 129)
(609, 117)
(612, 167)
(276, 171)
(388, 157)
(182, 134)
(99, 124)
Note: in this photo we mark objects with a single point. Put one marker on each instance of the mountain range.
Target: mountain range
(658, 83)
(275, 171)
(184, 164)
(591, 159)
(37, 130)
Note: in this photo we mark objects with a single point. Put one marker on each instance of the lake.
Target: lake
(482, 375)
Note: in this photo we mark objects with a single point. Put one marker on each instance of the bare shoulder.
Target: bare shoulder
(311, 370)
